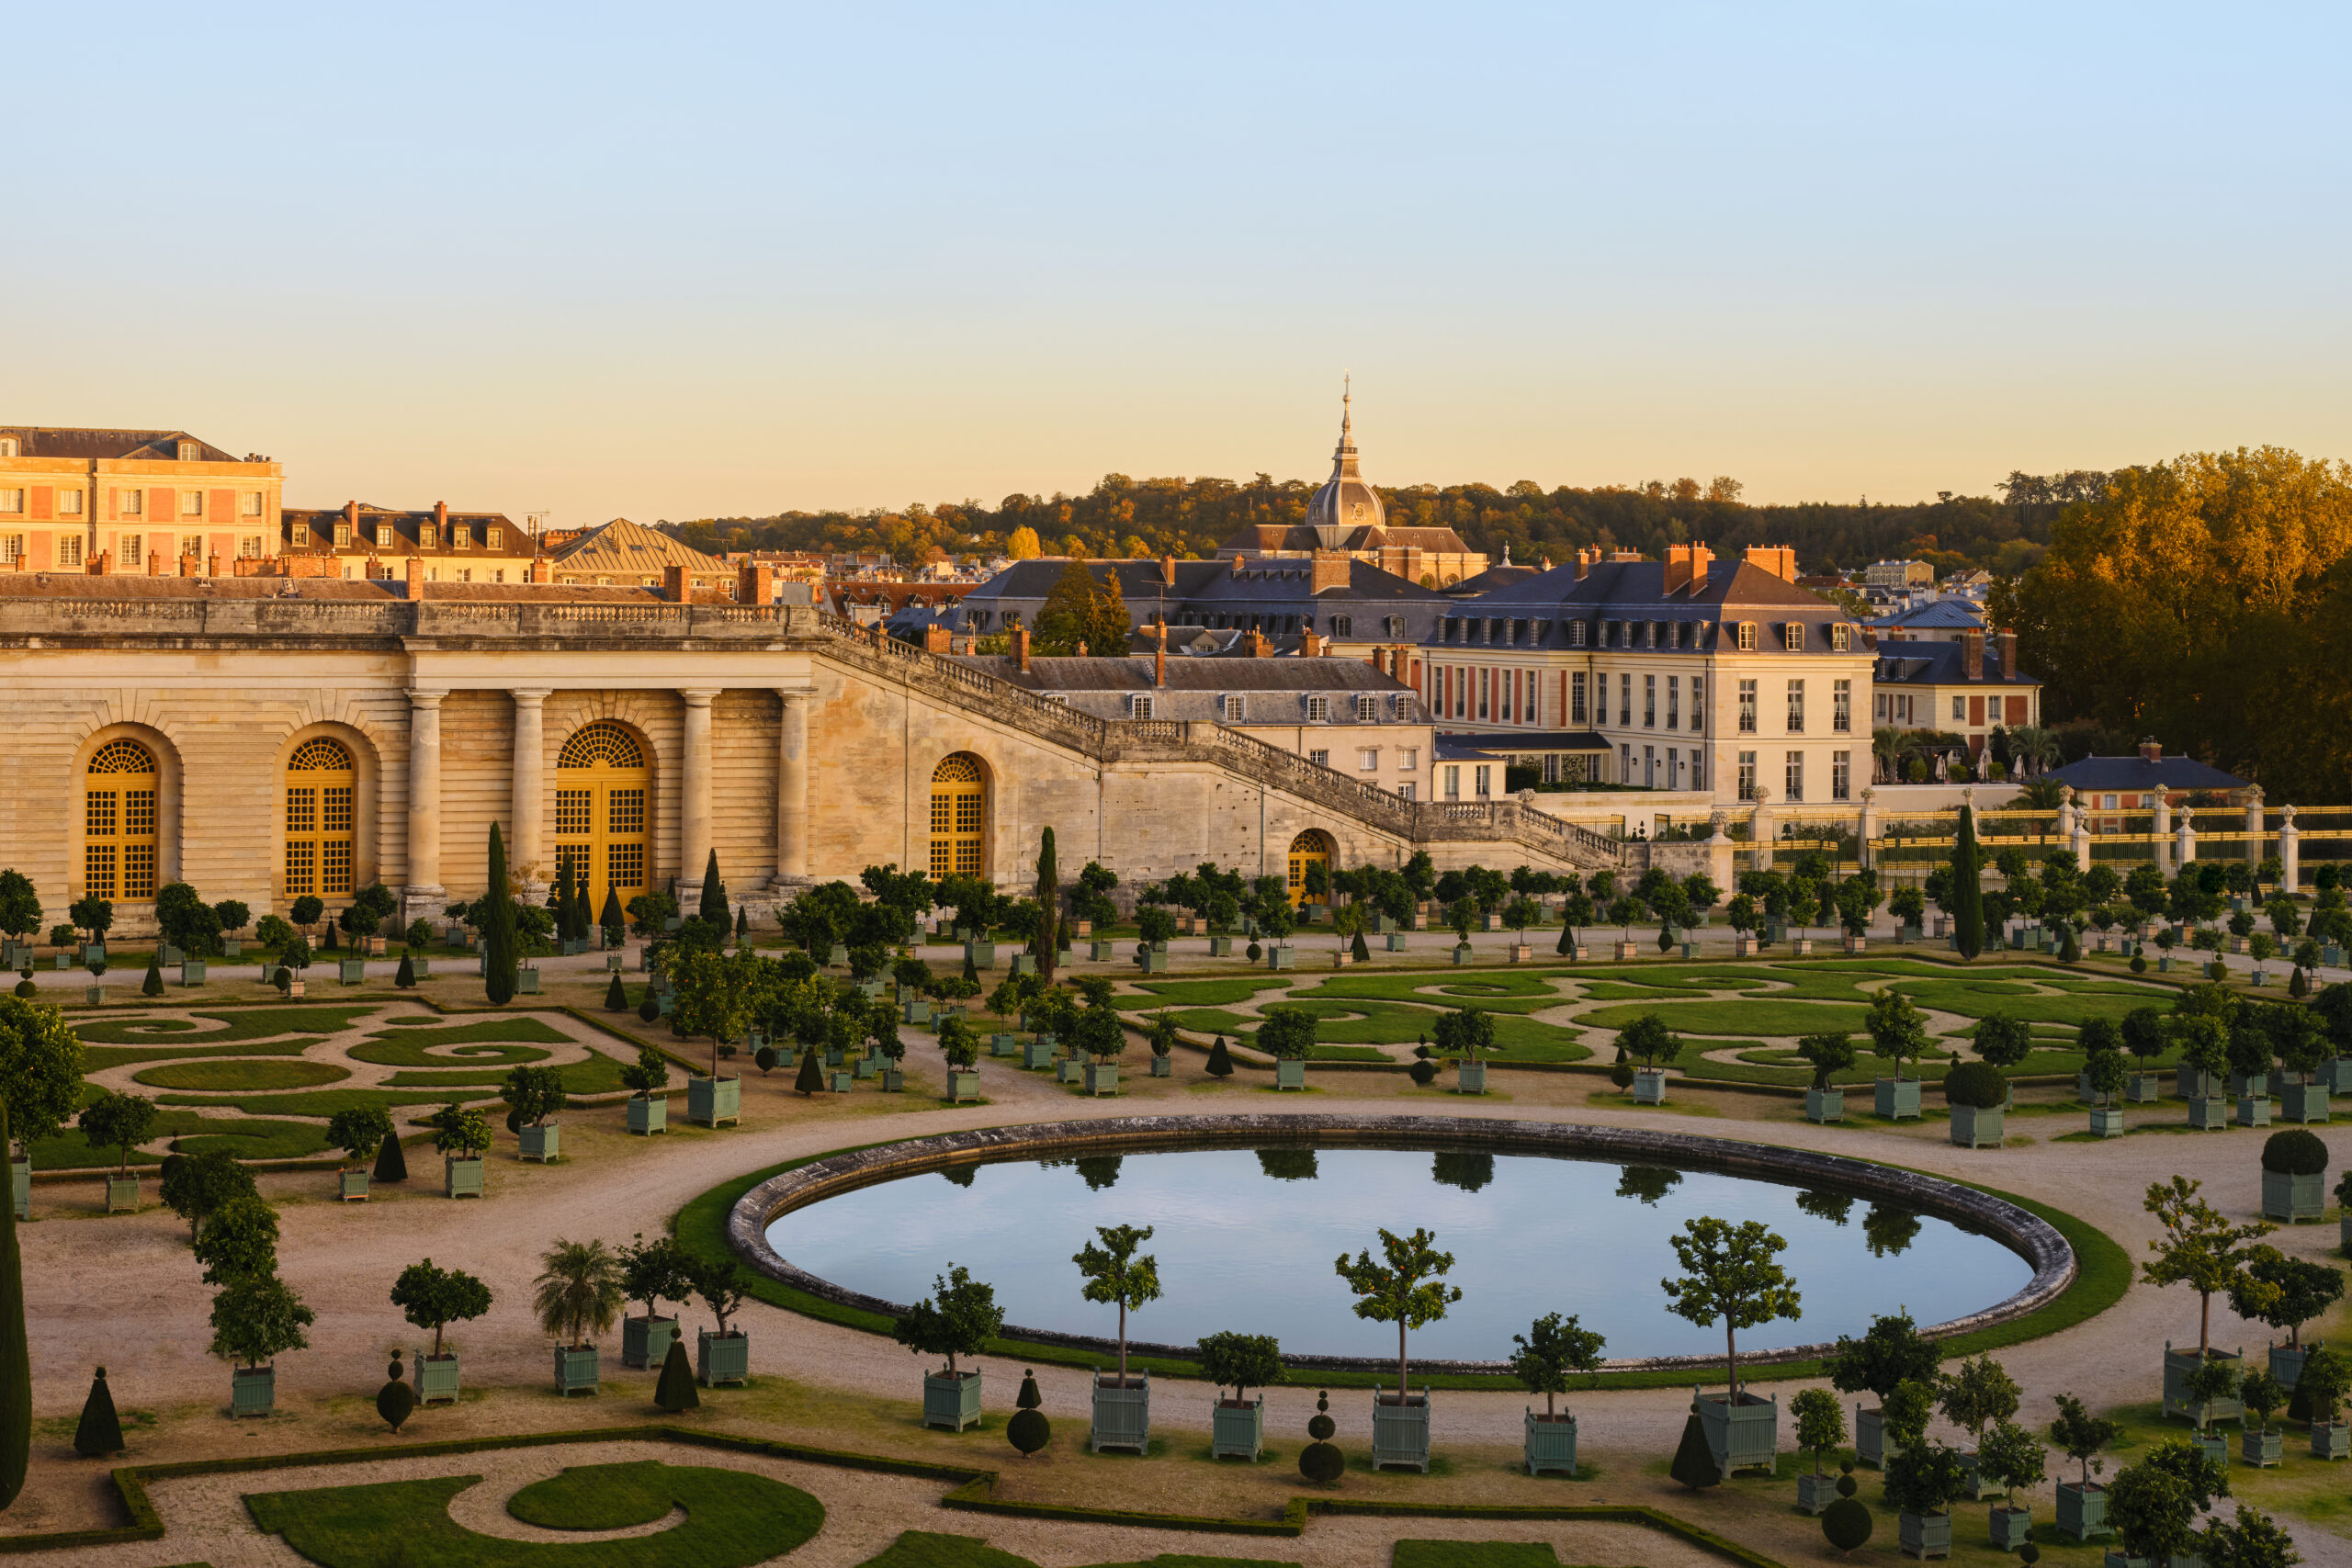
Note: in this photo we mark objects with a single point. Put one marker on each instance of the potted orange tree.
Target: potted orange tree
(960, 1318)
(1406, 1287)
(1115, 1275)
(1237, 1426)
(358, 1131)
(1552, 1348)
(432, 1297)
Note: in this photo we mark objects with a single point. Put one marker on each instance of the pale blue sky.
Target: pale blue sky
(665, 261)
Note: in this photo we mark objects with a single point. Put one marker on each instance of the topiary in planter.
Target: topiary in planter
(395, 1401)
(1029, 1430)
(1846, 1523)
(100, 1431)
(1976, 1084)
(1694, 1461)
(1321, 1460)
(2294, 1153)
(617, 995)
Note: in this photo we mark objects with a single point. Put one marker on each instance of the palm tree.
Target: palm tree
(2032, 743)
(2041, 793)
(1887, 752)
(579, 1289)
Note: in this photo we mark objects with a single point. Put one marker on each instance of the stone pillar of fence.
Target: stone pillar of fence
(2253, 823)
(2291, 851)
(2075, 822)
(2187, 838)
(1759, 829)
(2164, 831)
(1866, 835)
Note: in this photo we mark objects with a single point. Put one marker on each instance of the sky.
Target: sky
(688, 261)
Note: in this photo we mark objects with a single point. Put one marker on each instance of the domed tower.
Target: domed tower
(1344, 502)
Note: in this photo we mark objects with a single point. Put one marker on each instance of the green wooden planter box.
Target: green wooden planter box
(253, 1390)
(1824, 1105)
(575, 1371)
(1897, 1098)
(1816, 1492)
(980, 954)
(2286, 1362)
(1744, 1435)
(2292, 1198)
(839, 1082)
(722, 1359)
(1101, 950)
(645, 1341)
(122, 1194)
(649, 1113)
(526, 982)
(1976, 1483)
(2142, 1088)
(2191, 1083)
(1550, 1443)
(1462, 955)
(1024, 964)
(962, 1087)
(20, 1187)
(1221, 946)
(953, 1403)
(1925, 1535)
(1102, 1078)
(2303, 1102)
(1394, 941)
(1067, 1069)
(2082, 1510)
(351, 971)
(354, 1186)
(1649, 1086)
(1290, 1074)
(2263, 1448)
(542, 1143)
(2213, 1445)
(2011, 1527)
(94, 995)
(1163, 1066)
(1281, 958)
(862, 1069)
(1152, 960)
(2332, 1440)
(422, 968)
(1976, 1127)
(893, 1080)
(1037, 1054)
(2210, 1113)
(1238, 1430)
(2335, 1073)
(192, 972)
(2249, 1083)
(460, 1178)
(917, 1011)
(2107, 1122)
(2254, 1111)
(1004, 1045)
(2178, 1364)
(434, 1378)
(1470, 1077)
(710, 1102)
(1400, 1432)
(1872, 1445)
(1122, 1413)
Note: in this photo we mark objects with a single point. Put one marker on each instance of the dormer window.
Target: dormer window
(1139, 706)
(1747, 637)
(1792, 637)
(191, 450)
(1393, 626)
(1575, 633)
(343, 535)
(10, 446)
(497, 538)
(1367, 708)
(1236, 707)
(425, 536)
(1319, 710)
(459, 537)
(1841, 637)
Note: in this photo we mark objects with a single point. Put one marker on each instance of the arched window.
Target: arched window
(1309, 847)
(319, 784)
(118, 823)
(958, 809)
(600, 810)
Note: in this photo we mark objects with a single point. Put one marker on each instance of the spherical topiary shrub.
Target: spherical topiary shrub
(1321, 1460)
(1422, 1073)
(1622, 1076)
(24, 987)
(2139, 963)
(649, 1009)
(1029, 1430)
(1977, 1084)
(2294, 1153)
(1256, 952)
(2028, 1554)
(1846, 1523)
(395, 1401)
(765, 1058)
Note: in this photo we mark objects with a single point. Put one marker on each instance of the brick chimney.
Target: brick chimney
(1329, 569)
(1159, 663)
(755, 583)
(937, 638)
(1310, 646)
(675, 588)
(1781, 560)
(539, 570)
(103, 566)
(155, 563)
(2008, 640)
(2151, 750)
(1021, 647)
(1972, 654)
(415, 579)
(1258, 648)
(441, 520)
(212, 564)
(351, 515)
(1586, 559)
(1168, 570)
(1686, 566)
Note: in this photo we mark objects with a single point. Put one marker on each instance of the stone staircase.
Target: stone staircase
(1419, 823)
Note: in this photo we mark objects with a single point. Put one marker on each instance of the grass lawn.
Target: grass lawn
(1754, 1015)
(920, 1548)
(322, 1102)
(596, 1498)
(97, 1059)
(1454, 994)
(247, 1023)
(598, 1074)
(191, 1135)
(398, 1052)
(1207, 993)
(228, 1074)
(1342, 1024)
(733, 1520)
(1474, 1554)
(529, 1030)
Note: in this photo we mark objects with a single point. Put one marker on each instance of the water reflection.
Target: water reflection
(1647, 1182)
(1889, 1231)
(1292, 1163)
(1832, 1206)
(1467, 1170)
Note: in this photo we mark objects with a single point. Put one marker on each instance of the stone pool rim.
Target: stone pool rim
(2055, 1266)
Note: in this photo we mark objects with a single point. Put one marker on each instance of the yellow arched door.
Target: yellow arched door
(321, 782)
(1309, 847)
(958, 809)
(602, 781)
(118, 823)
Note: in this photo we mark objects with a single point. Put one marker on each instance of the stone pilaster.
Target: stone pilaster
(527, 815)
(694, 797)
(424, 895)
(792, 791)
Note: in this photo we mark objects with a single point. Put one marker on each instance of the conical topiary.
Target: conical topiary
(811, 1077)
(395, 1401)
(328, 944)
(152, 986)
(1321, 1460)
(1967, 888)
(676, 1392)
(391, 1165)
(2070, 950)
(498, 940)
(406, 978)
(99, 1433)
(617, 995)
(713, 904)
(1220, 1062)
(743, 923)
(1029, 1430)
(1358, 951)
(1694, 1461)
(16, 1357)
(2296, 987)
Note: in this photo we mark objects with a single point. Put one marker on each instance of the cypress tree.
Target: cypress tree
(498, 926)
(562, 909)
(617, 995)
(579, 921)
(1047, 946)
(742, 924)
(713, 909)
(1694, 1461)
(406, 978)
(675, 1392)
(1967, 890)
(153, 985)
(100, 1430)
(613, 917)
(15, 1356)
(391, 1165)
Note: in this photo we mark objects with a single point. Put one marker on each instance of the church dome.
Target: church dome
(1344, 502)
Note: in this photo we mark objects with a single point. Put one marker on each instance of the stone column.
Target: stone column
(527, 821)
(2163, 827)
(792, 791)
(1759, 830)
(2253, 825)
(2075, 821)
(694, 798)
(2187, 838)
(1866, 831)
(423, 893)
(2291, 851)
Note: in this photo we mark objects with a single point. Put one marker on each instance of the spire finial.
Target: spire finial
(1347, 396)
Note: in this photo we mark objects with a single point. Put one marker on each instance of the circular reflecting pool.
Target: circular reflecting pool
(1246, 1238)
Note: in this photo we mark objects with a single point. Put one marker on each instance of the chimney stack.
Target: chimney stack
(1686, 566)
(1168, 570)
(2151, 750)
(1586, 559)
(441, 518)
(1781, 560)
(1329, 569)
(2008, 644)
(1972, 654)
(1310, 646)
(351, 515)
(674, 586)
(755, 583)
(1255, 641)
(1021, 647)
(539, 570)
(1159, 663)
(155, 563)
(415, 579)
(937, 638)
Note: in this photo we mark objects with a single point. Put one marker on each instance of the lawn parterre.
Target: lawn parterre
(228, 1074)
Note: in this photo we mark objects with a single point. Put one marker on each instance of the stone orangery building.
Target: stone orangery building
(264, 737)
